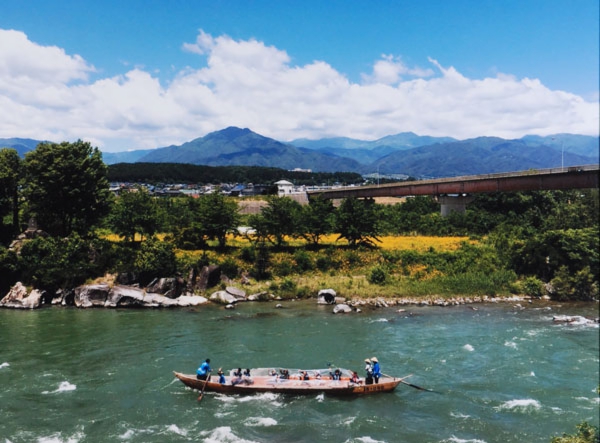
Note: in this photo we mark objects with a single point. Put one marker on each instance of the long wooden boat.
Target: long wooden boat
(266, 380)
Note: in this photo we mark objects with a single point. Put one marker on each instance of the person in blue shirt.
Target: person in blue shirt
(376, 369)
(203, 372)
(221, 376)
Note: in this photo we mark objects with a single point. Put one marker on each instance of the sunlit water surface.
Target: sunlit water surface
(501, 374)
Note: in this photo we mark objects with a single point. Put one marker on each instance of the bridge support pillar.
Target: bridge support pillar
(457, 203)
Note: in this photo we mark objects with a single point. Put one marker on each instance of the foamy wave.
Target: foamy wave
(64, 386)
(510, 344)
(4, 365)
(380, 320)
(266, 397)
(364, 440)
(222, 435)
(177, 430)
(348, 421)
(454, 439)
(459, 415)
(260, 421)
(468, 347)
(59, 438)
(522, 405)
(321, 398)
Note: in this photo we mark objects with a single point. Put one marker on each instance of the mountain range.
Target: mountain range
(405, 153)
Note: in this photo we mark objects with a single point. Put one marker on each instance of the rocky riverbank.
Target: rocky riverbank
(162, 295)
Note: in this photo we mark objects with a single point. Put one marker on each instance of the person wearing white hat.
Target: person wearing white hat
(376, 369)
(369, 371)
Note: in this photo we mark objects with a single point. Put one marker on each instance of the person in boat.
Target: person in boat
(237, 377)
(221, 376)
(355, 379)
(318, 375)
(376, 369)
(336, 375)
(304, 375)
(247, 378)
(203, 372)
(369, 372)
(284, 374)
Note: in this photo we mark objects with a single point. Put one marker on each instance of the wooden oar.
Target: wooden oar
(203, 387)
(409, 384)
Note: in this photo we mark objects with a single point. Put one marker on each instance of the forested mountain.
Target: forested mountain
(482, 155)
(235, 146)
(405, 153)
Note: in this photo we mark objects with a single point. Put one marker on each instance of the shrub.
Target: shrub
(586, 433)
(229, 267)
(303, 261)
(154, 259)
(532, 286)
(378, 276)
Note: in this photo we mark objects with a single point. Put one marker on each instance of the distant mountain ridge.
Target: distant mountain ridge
(405, 153)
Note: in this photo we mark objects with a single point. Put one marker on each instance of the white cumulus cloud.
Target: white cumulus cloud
(246, 83)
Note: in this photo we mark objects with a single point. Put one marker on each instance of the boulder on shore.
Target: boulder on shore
(223, 297)
(326, 297)
(18, 298)
(342, 309)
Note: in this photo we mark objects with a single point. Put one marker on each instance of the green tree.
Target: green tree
(316, 220)
(10, 174)
(217, 215)
(135, 212)
(66, 187)
(357, 221)
(154, 259)
(276, 220)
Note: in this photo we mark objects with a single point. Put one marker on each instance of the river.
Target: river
(500, 373)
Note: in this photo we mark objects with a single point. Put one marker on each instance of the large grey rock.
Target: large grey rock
(239, 294)
(223, 297)
(169, 287)
(341, 309)
(18, 298)
(209, 276)
(88, 296)
(326, 297)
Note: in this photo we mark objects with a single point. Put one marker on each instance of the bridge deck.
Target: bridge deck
(572, 177)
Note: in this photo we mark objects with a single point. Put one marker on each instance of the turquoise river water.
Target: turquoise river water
(501, 373)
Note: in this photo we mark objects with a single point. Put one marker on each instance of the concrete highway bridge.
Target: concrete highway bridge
(454, 193)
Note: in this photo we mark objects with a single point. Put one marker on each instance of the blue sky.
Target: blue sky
(142, 74)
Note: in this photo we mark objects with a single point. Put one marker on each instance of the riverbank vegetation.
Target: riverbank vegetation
(533, 243)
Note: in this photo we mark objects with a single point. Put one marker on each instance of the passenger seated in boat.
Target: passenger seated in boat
(221, 376)
(247, 379)
(336, 375)
(318, 375)
(355, 379)
(304, 375)
(285, 374)
(237, 377)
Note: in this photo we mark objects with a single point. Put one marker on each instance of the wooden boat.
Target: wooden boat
(268, 380)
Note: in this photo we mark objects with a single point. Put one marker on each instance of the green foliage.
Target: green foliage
(216, 215)
(378, 276)
(581, 285)
(276, 220)
(66, 187)
(303, 261)
(586, 433)
(315, 220)
(9, 270)
(10, 174)
(260, 270)
(188, 173)
(229, 267)
(135, 212)
(532, 286)
(357, 221)
(53, 263)
(153, 259)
